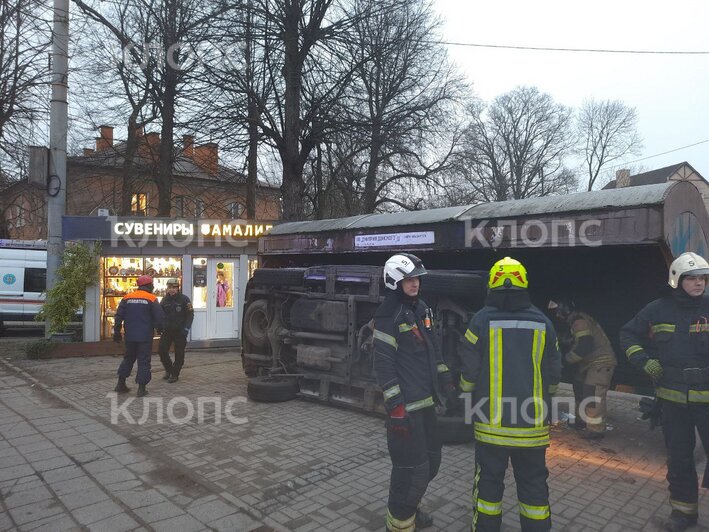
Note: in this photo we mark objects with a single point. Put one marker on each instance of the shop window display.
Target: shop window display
(120, 275)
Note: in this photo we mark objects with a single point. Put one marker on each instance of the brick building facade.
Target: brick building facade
(201, 187)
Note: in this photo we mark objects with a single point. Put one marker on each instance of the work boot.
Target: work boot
(121, 386)
(167, 376)
(173, 378)
(423, 519)
(142, 392)
(679, 522)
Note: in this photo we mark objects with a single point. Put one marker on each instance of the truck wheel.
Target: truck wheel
(278, 276)
(272, 389)
(467, 285)
(250, 369)
(256, 323)
(454, 430)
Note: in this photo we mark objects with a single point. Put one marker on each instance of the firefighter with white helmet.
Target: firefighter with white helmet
(669, 341)
(512, 365)
(411, 373)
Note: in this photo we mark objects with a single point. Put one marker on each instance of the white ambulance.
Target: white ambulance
(23, 279)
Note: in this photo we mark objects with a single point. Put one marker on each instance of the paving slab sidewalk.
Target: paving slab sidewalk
(287, 466)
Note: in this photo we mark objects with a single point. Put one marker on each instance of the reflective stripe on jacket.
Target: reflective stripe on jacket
(407, 359)
(510, 359)
(677, 336)
(584, 326)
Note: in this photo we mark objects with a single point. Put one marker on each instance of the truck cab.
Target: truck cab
(23, 279)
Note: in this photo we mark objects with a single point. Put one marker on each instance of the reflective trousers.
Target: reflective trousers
(678, 427)
(592, 382)
(530, 471)
(415, 461)
(141, 352)
(167, 338)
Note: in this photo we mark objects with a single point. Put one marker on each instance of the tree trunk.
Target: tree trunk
(166, 155)
(129, 164)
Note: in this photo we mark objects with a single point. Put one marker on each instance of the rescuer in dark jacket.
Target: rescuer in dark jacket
(139, 313)
(669, 340)
(411, 373)
(178, 320)
(511, 362)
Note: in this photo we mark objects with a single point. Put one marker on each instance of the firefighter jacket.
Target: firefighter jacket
(178, 312)
(510, 359)
(140, 314)
(675, 331)
(590, 342)
(407, 359)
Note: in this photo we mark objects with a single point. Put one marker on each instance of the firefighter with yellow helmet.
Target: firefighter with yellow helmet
(512, 365)
(669, 341)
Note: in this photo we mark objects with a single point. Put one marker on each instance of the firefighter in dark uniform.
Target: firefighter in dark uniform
(592, 357)
(512, 365)
(178, 320)
(669, 340)
(140, 314)
(411, 373)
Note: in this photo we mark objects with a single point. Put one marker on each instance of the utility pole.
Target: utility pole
(56, 182)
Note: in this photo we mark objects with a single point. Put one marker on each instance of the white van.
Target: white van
(23, 279)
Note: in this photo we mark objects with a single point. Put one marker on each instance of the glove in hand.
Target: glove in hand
(573, 358)
(399, 422)
(653, 368)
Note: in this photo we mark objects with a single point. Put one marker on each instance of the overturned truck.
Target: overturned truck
(307, 317)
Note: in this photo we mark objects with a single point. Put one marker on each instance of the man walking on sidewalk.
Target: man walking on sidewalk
(139, 313)
(178, 320)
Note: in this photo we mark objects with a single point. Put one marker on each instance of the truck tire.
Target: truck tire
(453, 284)
(278, 276)
(256, 322)
(454, 430)
(272, 389)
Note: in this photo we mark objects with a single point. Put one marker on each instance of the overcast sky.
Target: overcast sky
(670, 92)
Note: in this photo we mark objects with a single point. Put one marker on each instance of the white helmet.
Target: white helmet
(401, 266)
(687, 263)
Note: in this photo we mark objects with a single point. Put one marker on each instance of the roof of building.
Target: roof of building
(653, 176)
(184, 167)
(580, 201)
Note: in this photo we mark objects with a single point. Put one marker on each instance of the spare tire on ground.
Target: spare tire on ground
(272, 389)
(454, 430)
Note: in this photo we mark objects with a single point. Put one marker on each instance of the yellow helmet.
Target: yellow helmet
(508, 273)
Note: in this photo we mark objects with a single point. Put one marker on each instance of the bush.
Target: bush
(78, 271)
(39, 349)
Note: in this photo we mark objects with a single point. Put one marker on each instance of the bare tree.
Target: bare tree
(515, 147)
(24, 41)
(160, 37)
(608, 131)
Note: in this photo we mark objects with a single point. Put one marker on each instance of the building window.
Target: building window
(199, 208)
(235, 210)
(180, 206)
(139, 204)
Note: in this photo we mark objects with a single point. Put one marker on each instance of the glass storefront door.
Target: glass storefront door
(214, 285)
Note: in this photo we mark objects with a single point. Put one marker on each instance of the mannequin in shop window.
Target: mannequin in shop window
(222, 290)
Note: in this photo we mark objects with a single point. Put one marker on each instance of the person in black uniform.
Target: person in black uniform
(669, 341)
(511, 362)
(178, 320)
(411, 372)
(140, 314)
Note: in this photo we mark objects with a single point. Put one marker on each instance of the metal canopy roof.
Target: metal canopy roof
(582, 201)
